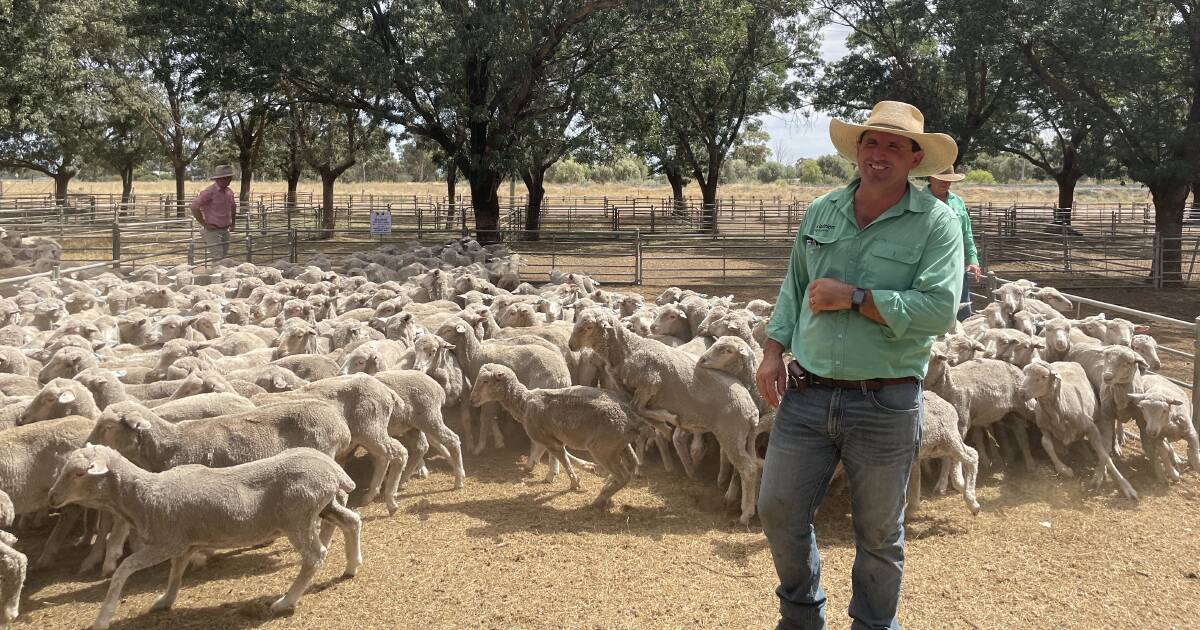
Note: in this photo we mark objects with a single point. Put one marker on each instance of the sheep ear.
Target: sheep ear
(120, 373)
(1141, 329)
(607, 325)
(743, 351)
(97, 468)
(460, 329)
(67, 397)
(1175, 402)
(1039, 343)
(137, 424)
(1135, 397)
(280, 383)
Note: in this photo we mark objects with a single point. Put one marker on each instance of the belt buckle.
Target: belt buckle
(797, 376)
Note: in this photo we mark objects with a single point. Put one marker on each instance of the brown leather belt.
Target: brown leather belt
(800, 378)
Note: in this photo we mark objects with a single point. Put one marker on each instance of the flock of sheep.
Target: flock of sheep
(170, 414)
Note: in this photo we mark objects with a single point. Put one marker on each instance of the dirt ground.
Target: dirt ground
(509, 552)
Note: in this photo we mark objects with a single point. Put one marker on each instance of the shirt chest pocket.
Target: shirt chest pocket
(824, 255)
(891, 265)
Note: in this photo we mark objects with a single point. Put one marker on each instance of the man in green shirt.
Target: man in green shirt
(874, 276)
(939, 186)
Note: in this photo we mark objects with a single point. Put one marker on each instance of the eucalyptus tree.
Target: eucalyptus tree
(331, 139)
(1135, 66)
(126, 144)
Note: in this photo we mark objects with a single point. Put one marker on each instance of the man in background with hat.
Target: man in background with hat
(215, 209)
(874, 276)
(939, 186)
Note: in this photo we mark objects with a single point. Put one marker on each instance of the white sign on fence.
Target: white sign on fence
(381, 222)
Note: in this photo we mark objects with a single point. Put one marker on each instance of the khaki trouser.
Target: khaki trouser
(216, 243)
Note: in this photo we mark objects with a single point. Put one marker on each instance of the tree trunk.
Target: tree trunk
(61, 179)
(293, 182)
(1196, 199)
(675, 177)
(246, 164)
(180, 180)
(327, 218)
(708, 214)
(535, 179)
(1066, 194)
(1170, 196)
(126, 183)
(451, 184)
(485, 204)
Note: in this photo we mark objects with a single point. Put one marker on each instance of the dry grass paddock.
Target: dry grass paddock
(1000, 193)
(509, 552)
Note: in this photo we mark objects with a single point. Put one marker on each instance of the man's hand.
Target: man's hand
(975, 271)
(771, 378)
(827, 294)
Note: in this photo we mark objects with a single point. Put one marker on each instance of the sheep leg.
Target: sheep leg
(560, 453)
(174, 580)
(62, 528)
(1022, 436)
(1193, 442)
(681, 438)
(583, 464)
(13, 565)
(306, 541)
(416, 444)
(536, 450)
(1105, 461)
(944, 469)
(980, 438)
(912, 494)
(747, 468)
(968, 466)
(441, 437)
(96, 553)
(1048, 446)
(724, 472)
(115, 546)
(138, 560)
(664, 452)
(621, 466)
(345, 519)
(464, 414)
(387, 455)
(698, 448)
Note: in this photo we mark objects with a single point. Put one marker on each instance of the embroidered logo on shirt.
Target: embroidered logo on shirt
(824, 227)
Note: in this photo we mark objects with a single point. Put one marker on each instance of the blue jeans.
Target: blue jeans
(876, 436)
(965, 299)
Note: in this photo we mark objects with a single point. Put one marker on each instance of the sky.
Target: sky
(795, 135)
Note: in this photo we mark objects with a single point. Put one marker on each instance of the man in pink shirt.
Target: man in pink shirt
(215, 208)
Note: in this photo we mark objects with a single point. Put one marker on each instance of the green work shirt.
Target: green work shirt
(910, 257)
(960, 207)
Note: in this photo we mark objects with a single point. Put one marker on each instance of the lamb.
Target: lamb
(12, 566)
(1119, 332)
(941, 438)
(178, 513)
(199, 406)
(1167, 413)
(1147, 347)
(1066, 411)
(536, 366)
(67, 362)
(435, 356)
(58, 399)
(156, 445)
(983, 392)
(374, 356)
(296, 337)
(1061, 335)
(681, 393)
(1051, 297)
(29, 455)
(271, 378)
(599, 421)
(961, 348)
(310, 367)
(367, 407)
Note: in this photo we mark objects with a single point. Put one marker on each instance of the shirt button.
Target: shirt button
(839, 335)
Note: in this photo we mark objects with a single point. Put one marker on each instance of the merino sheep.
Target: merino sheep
(1066, 411)
(58, 399)
(12, 566)
(1167, 413)
(599, 421)
(179, 513)
(941, 438)
(668, 386)
(156, 445)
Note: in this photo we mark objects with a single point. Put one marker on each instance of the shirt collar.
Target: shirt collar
(915, 199)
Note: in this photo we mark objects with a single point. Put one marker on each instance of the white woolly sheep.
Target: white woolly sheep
(178, 513)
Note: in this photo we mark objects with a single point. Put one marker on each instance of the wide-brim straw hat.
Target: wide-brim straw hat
(223, 171)
(949, 175)
(901, 119)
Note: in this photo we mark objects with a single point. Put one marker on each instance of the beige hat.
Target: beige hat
(949, 175)
(901, 119)
(223, 171)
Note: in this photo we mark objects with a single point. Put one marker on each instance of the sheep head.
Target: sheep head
(1156, 410)
(492, 384)
(85, 474)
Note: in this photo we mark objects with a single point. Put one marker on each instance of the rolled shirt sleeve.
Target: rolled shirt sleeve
(791, 295)
(929, 307)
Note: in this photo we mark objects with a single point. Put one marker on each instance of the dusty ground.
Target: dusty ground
(508, 552)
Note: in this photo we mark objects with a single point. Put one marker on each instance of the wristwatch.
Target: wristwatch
(856, 299)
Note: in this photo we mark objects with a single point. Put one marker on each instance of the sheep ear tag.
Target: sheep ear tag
(66, 397)
(280, 383)
(97, 468)
(120, 373)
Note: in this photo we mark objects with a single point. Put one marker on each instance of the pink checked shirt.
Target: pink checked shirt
(216, 205)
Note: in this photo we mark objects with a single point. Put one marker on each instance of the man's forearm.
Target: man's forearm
(772, 349)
